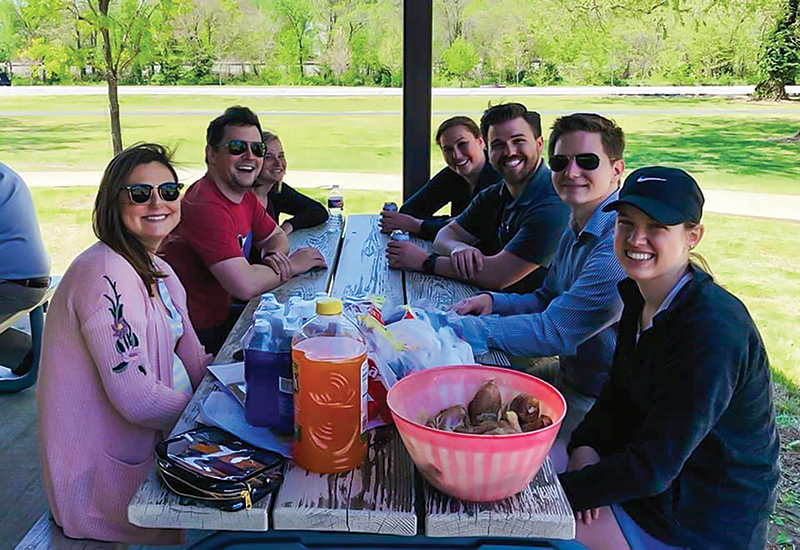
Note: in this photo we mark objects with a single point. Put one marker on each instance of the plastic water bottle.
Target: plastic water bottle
(329, 362)
(336, 204)
(269, 402)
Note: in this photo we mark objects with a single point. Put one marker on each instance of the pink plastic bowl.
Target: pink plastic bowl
(472, 467)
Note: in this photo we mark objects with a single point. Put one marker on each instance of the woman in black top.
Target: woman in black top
(278, 197)
(467, 173)
(681, 447)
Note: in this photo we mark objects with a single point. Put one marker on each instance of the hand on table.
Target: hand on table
(467, 262)
(395, 220)
(279, 263)
(304, 259)
(474, 305)
(580, 458)
(405, 255)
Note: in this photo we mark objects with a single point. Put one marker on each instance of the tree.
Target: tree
(299, 18)
(124, 31)
(460, 58)
(39, 24)
(9, 40)
(780, 57)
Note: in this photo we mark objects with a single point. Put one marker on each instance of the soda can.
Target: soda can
(390, 206)
(398, 235)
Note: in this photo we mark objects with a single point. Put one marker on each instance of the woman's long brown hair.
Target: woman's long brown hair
(107, 217)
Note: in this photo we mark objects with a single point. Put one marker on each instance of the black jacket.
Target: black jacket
(445, 187)
(685, 427)
(307, 212)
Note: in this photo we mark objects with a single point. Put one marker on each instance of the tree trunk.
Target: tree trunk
(112, 79)
(771, 88)
(781, 55)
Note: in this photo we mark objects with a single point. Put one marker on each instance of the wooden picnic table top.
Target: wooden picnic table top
(379, 496)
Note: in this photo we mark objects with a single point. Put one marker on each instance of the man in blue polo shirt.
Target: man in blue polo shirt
(24, 263)
(575, 313)
(518, 221)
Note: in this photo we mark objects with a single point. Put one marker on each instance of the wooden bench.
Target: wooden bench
(36, 316)
(46, 535)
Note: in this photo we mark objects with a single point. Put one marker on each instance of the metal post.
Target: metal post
(417, 38)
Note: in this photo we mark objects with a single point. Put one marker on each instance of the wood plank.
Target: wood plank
(326, 238)
(363, 268)
(46, 535)
(377, 497)
(442, 292)
(540, 511)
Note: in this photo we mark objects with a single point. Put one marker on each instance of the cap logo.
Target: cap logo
(645, 178)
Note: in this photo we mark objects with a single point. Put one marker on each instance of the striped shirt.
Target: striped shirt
(575, 312)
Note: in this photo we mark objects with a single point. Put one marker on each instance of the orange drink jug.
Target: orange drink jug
(329, 366)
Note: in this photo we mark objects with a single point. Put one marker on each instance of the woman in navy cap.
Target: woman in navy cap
(681, 447)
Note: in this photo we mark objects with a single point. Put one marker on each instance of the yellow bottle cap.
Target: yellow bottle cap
(329, 306)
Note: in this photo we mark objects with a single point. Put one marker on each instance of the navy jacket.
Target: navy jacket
(445, 187)
(685, 427)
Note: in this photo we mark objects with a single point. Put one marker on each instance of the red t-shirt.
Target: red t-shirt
(212, 229)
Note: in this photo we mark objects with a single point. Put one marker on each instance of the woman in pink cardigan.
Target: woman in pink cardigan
(120, 358)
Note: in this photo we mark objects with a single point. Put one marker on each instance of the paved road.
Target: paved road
(332, 91)
(760, 205)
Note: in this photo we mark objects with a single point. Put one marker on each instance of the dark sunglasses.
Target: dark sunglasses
(140, 192)
(587, 161)
(239, 147)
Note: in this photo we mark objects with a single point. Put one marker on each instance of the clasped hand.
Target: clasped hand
(299, 261)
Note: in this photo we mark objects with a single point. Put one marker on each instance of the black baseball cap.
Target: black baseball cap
(668, 195)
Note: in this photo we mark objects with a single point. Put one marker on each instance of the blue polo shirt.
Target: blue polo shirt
(529, 226)
(22, 252)
(573, 315)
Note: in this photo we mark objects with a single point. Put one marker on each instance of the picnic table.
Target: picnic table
(384, 496)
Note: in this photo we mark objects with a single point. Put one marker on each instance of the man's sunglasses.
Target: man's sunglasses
(587, 161)
(238, 147)
(140, 192)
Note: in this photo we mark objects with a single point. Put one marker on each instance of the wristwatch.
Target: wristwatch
(429, 265)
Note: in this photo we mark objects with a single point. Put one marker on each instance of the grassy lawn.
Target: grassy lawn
(725, 142)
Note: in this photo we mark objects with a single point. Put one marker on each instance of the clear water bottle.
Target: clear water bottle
(336, 204)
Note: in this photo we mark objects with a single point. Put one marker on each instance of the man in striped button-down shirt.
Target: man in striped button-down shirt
(574, 314)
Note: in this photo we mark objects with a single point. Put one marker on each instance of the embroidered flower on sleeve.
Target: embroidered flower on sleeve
(127, 341)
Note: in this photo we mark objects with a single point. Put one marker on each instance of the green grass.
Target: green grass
(724, 142)
(753, 258)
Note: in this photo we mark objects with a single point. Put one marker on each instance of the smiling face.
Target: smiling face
(463, 152)
(653, 254)
(152, 221)
(237, 172)
(274, 168)
(581, 189)
(514, 151)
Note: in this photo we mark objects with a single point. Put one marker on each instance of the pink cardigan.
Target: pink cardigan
(104, 397)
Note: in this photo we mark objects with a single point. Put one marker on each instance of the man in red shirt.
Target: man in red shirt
(221, 221)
